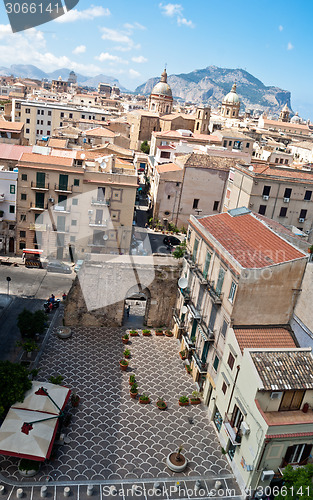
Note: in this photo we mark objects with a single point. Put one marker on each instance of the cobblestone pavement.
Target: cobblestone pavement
(113, 437)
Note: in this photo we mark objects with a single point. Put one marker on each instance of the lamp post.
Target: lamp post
(8, 280)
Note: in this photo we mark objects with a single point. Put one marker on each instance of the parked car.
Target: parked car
(171, 241)
(58, 267)
(78, 265)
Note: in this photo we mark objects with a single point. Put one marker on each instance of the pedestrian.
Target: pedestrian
(64, 296)
(50, 306)
(52, 298)
(127, 311)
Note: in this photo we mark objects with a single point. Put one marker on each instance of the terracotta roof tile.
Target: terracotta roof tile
(251, 242)
(100, 132)
(167, 167)
(11, 126)
(13, 151)
(46, 159)
(254, 338)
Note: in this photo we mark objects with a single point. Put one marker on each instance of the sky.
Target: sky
(133, 40)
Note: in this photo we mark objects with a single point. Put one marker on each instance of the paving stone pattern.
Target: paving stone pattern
(112, 436)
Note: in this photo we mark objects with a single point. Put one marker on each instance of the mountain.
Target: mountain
(211, 84)
(30, 71)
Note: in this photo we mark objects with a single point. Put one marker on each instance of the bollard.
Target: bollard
(43, 491)
(89, 490)
(19, 493)
(157, 487)
(2, 489)
(113, 490)
(67, 491)
(217, 485)
(198, 485)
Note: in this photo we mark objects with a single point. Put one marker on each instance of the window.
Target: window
(76, 182)
(74, 222)
(247, 144)
(22, 234)
(218, 420)
(206, 265)
(195, 250)
(42, 112)
(27, 131)
(188, 235)
(297, 454)
(27, 111)
(168, 196)
(224, 328)
(61, 124)
(74, 201)
(266, 190)
(308, 195)
(216, 363)
(49, 113)
(232, 292)
(38, 122)
(276, 160)
(195, 203)
(220, 280)
(283, 212)
(83, 117)
(70, 115)
(41, 132)
(302, 215)
(48, 123)
(27, 120)
(72, 239)
(231, 361)
(37, 132)
(236, 418)
(12, 209)
(230, 143)
(287, 193)
(23, 218)
(62, 115)
(215, 206)
(225, 144)
(12, 189)
(224, 388)
(291, 400)
(23, 196)
(262, 209)
(22, 245)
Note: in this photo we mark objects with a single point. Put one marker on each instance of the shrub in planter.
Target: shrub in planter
(125, 338)
(123, 365)
(161, 404)
(195, 398)
(28, 346)
(188, 369)
(133, 333)
(132, 379)
(75, 400)
(28, 468)
(144, 399)
(169, 333)
(127, 353)
(57, 380)
(183, 354)
(134, 390)
(146, 333)
(183, 401)
(159, 332)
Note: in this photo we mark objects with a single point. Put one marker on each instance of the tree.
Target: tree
(14, 382)
(297, 483)
(30, 323)
(145, 148)
(180, 251)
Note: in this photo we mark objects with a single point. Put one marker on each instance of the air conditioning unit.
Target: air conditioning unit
(251, 205)
(301, 219)
(265, 197)
(267, 475)
(90, 212)
(286, 200)
(51, 200)
(276, 395)
(245, 429)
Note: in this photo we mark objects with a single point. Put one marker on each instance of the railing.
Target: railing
(203, 367)
(181, 324)
(39, 185)
(185, 293)
(61, 208)
(95, 201)
(233, 432)
(203, 280)
(190, 344)
(98, 223)
(63, 187)
(214, 294)
(38, 206)
(94, 243)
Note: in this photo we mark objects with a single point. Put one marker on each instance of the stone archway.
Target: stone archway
(138, 301)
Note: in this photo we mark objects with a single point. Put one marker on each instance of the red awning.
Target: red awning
(34, 251)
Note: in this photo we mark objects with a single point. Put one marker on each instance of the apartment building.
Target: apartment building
(293, 130)
(180, 136)
(87, 207)
(11, 133)
(8, 189)
(238, 272)
(260, 406)
(280, 193)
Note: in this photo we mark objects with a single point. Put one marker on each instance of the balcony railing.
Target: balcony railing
(96, 201)
(62, 208)
(63, 188)
(96, 243)
(44, 186)
(2, 197)
(185, 293)
(190, 344)
(214, 294)
(98, 223)
(181, 324)
(203, 279)
(233, 432)
(38, 206)
(203, 367)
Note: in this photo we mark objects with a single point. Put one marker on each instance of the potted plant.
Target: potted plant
(126, 353)
(125, 338)
(133, 333)
(75, 400)
(132, 379)
(123, 365)
(57, 380)
(161, 404)
(159, 332)
(146, 333)
(310, 249)
(188, 369)
(28, 346)
(144, 399)
(28, 468)
(183, 354)
(169, 333)
(134, 390)
(183, 401)
(176, 461)
(195, 398)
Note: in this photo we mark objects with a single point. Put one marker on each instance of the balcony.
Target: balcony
(291, 417)
(2, 197)
(197, 271)
(37, 227)
(233, 432)
(63, 188)
(203, 367)
(37, 206)
(96, 243)
(215, 296)
(185, 292)
(98, 223)
(181, 324)
(100, 202)
(39, 186)
(189, 343)
(61, 209)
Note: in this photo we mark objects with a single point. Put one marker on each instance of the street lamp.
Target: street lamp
(8, 280)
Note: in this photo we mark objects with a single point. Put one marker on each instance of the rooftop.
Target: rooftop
(13, 151)
(167, 167)
(285, 369)
(11, 126)
(203, 160)
(255, 338)
(248, 240)
(46, 159)
(293, 175)
(100, 132)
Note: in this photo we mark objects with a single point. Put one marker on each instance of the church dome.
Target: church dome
(295, 119)
(162, 88)
(232, 96)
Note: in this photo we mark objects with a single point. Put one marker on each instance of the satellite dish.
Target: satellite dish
(105, 237)
(182, 283)
(83, 156)
(184, 309)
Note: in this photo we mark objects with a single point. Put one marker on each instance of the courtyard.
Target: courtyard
(113, 437)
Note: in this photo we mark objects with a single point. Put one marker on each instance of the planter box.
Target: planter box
(183, 404)
(195, 401)
(188, 371)
(123, 367)
(125, 341)
(133, 394)
(159, 334)
(169, 334)
(182, 357)
(144, 402)
(164, 408)
(134, 334)
(146, 334)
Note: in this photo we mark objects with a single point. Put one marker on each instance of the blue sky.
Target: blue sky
(132, 40)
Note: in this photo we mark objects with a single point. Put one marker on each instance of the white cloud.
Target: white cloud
(290, 46)
(105, 56)
(120, 36)
(5, 29)
(176, 10)
(80, 49)
(133, 74)
(82, 15)
(280, 27)
(139, 59)
(134, 26)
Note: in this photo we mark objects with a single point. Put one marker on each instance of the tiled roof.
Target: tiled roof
(46, 159)
(100, 132)
(289, 435)
(283, 370)
(13, 151)
(289, 173)
(251, 242)
(167, 167)
(255, 338)
(11, 126)
(57, 143)
(203, 160)
(296, 126)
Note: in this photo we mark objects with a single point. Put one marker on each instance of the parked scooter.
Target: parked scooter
(49, 306)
